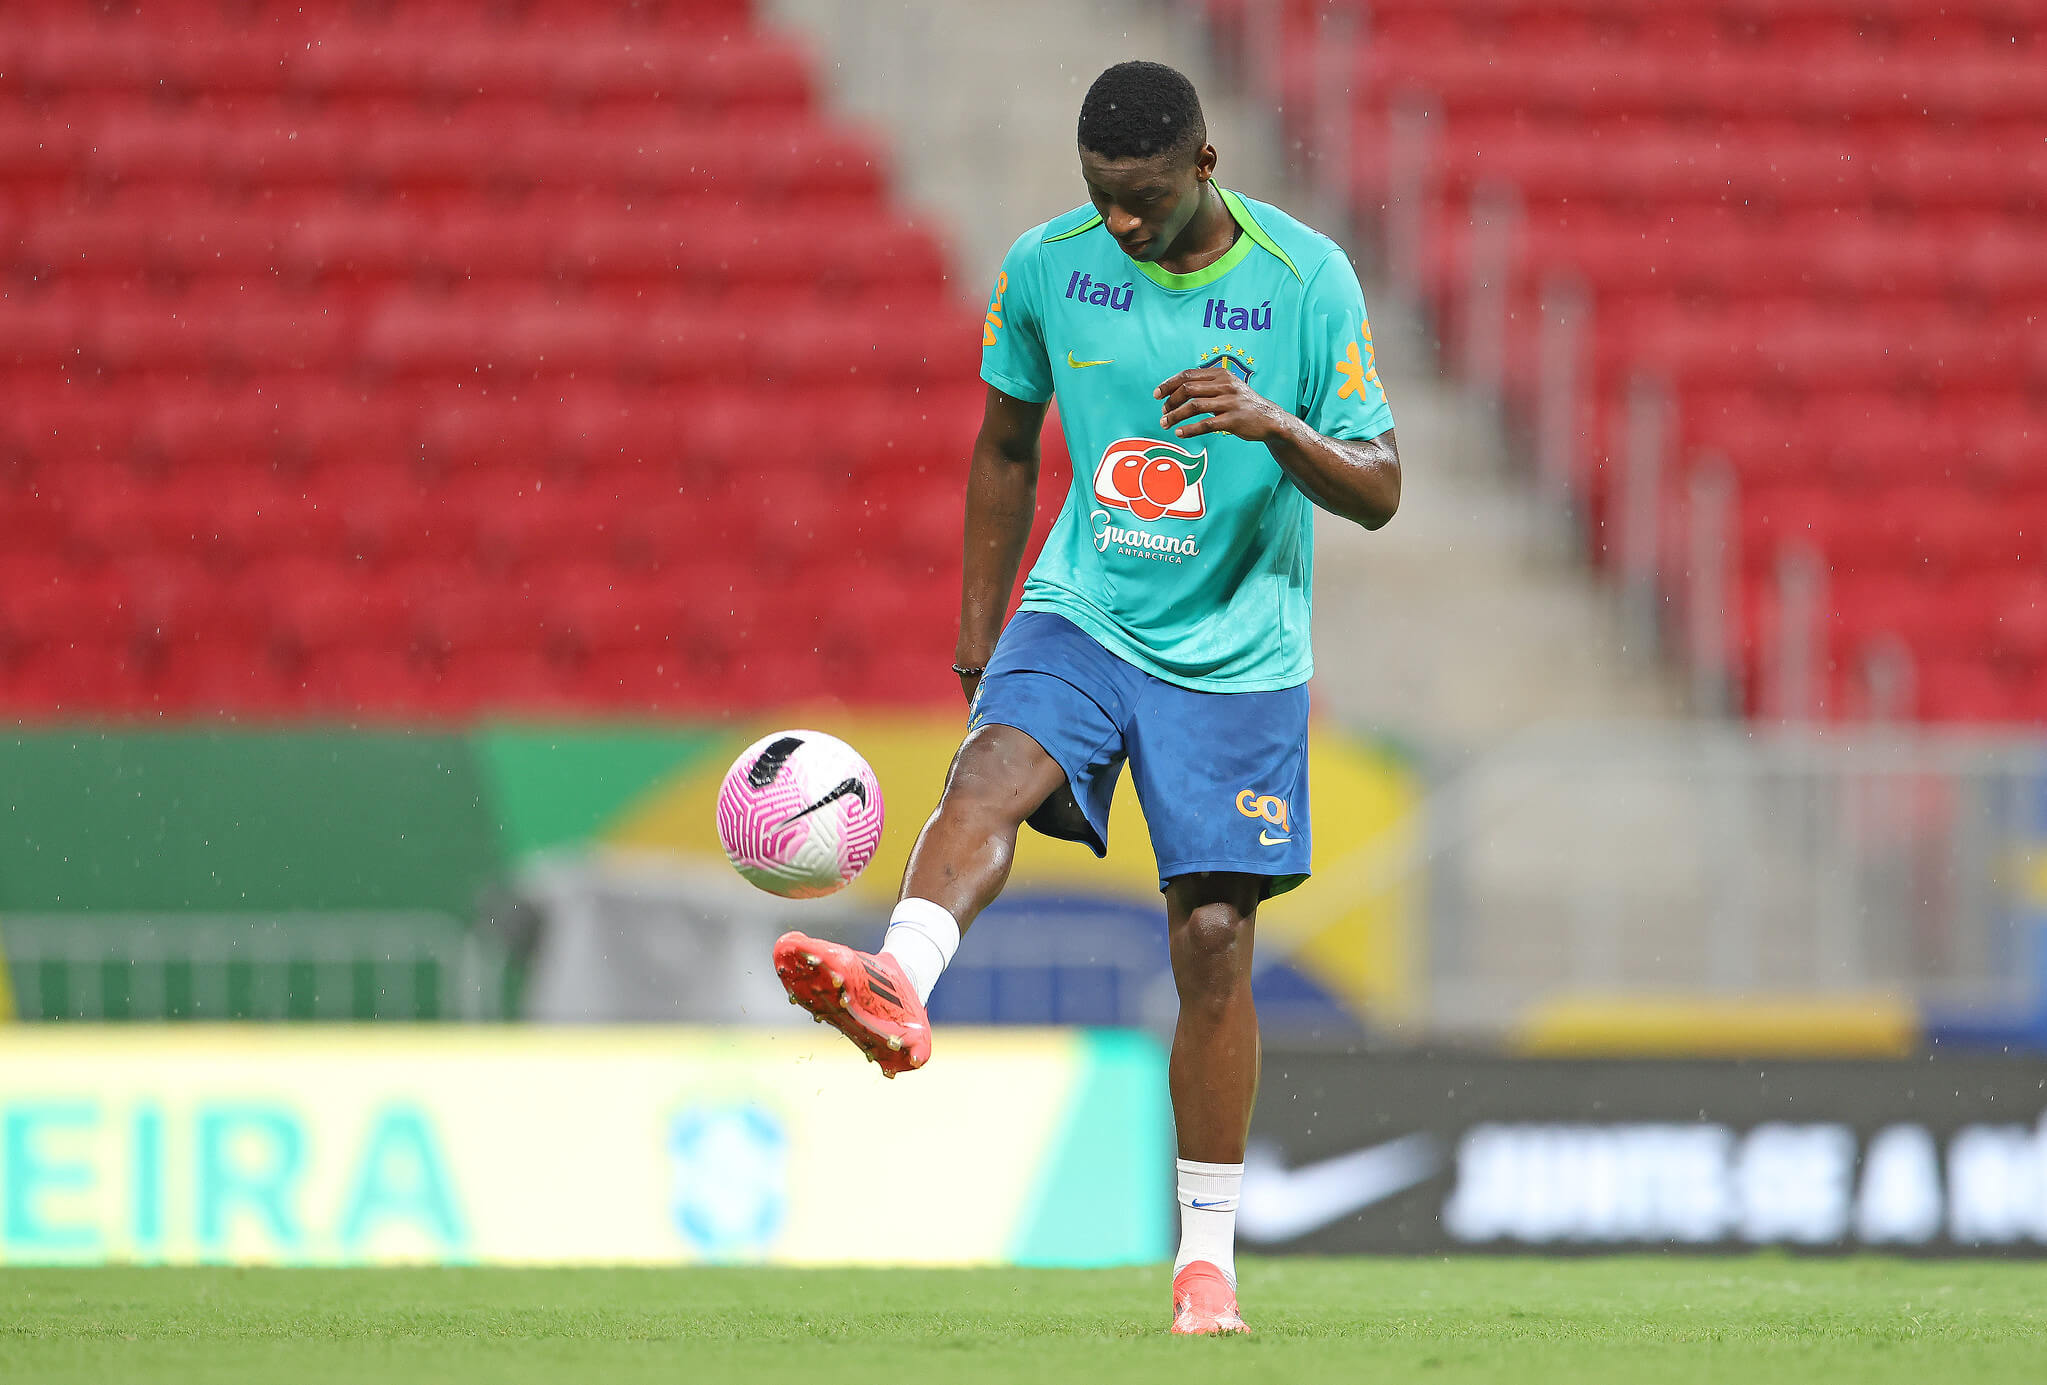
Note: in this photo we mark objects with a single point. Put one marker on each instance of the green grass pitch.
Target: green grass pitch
(1748, 1320)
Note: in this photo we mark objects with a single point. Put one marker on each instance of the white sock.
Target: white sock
(1208, 1215)
(922, 938)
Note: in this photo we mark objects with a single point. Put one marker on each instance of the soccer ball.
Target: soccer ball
(799, 814)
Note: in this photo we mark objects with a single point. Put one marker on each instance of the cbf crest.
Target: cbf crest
(1232, 358)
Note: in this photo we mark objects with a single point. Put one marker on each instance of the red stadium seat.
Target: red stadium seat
(354, 245)
(372, 682)
(459, 356)
(72, 679)
(1816, 221)
(517, 680)
(1968, 691)
(317, 603)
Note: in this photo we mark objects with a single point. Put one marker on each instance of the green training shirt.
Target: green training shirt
(1190, 558)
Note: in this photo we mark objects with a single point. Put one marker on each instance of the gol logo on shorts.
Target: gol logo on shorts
(1254, 805)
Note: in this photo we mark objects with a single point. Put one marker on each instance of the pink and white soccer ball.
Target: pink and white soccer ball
(800, 814)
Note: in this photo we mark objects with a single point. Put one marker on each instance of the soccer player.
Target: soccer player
(1213, 364)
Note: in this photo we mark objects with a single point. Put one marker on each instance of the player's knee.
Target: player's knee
(984, 786)
(1214, 936)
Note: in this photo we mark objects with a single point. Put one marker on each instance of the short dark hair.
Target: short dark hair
(1138, 109)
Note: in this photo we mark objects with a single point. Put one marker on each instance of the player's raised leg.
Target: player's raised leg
(959, 864)
(1210, 919)
(962, 857)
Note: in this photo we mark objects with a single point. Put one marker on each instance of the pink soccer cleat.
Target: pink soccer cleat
(863, 996)
(1205, 1303)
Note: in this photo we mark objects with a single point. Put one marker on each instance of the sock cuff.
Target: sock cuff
(932, 920)
(1209, 1187)
(1207, 1195)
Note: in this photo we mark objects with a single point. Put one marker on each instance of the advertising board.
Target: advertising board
(302, 1145)
(1373, 1153)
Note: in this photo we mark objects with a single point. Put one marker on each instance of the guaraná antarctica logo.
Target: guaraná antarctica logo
(1151, 480)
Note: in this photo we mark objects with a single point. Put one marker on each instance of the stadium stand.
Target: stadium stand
(431, 359)
(1817, 222)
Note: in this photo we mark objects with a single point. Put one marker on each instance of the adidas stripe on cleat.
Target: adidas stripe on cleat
(864, 996)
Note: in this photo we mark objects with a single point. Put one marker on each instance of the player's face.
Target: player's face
(1147, 203)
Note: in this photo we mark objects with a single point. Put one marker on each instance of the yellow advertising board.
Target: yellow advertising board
(562, 1146)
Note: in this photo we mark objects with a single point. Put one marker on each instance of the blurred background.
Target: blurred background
(436, 436)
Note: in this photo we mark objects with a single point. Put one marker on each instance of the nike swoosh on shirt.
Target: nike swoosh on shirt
(1267, 839)
(1082, 365)
(1280, 1204)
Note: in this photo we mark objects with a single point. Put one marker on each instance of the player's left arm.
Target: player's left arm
(1358, 479)
(1338, 444)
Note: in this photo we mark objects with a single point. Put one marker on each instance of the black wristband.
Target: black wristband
(968, 672)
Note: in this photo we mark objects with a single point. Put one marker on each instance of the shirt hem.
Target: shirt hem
(1120, 645)
(1010, 385)
(1366, 432)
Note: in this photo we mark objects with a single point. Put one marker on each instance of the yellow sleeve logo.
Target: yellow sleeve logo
(1357, 371)
(994, 322)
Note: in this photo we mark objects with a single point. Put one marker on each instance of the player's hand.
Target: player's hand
(1230, 404)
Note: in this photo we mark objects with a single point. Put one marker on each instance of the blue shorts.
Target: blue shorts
(1222, 777)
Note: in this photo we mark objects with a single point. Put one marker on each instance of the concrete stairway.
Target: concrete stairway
(1467, 617)
(1460, 621)
(980, 98)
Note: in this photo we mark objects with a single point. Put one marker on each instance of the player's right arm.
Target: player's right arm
(1002, 483)
(1002, 499)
